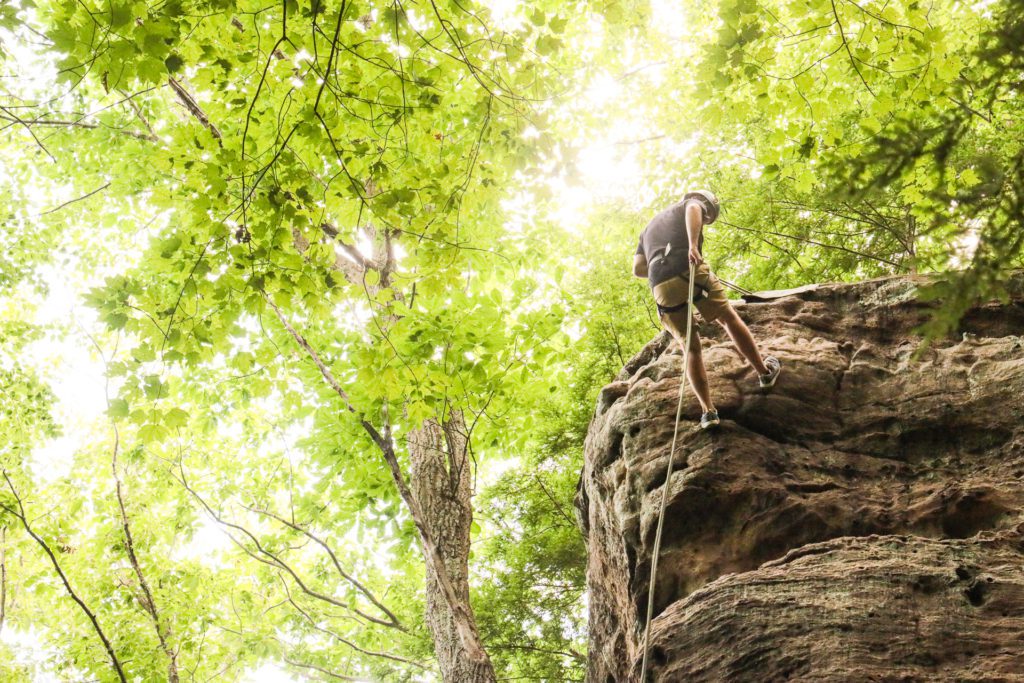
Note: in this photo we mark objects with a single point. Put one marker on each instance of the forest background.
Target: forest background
(304, 305)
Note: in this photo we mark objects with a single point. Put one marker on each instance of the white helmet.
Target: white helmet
(708, 202)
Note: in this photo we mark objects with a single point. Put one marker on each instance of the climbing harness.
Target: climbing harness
(701, 294)
(668, 479)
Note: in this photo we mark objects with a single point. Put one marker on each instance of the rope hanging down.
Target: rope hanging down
(668, 478)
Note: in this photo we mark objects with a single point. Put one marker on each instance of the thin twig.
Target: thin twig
(853, 60)
(337, 564)
(345, 641)
(77, 199)
(815, 243)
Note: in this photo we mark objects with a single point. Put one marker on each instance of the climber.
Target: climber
(669, 246)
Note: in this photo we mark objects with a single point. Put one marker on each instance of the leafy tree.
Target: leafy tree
(308, 129)
(352, 350)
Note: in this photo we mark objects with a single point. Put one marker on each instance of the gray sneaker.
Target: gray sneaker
(709, 419)
(767, 381)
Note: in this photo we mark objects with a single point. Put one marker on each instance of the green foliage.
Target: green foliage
(228, 181)
(532, 551)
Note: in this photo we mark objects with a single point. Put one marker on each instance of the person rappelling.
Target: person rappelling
(669, 250)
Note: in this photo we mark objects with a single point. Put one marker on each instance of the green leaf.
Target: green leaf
(969, 177)
(547, 45)
(173, 63)
(176, 417)
(118, 408)
(153, 387)
(169, 246)
(143, 353)
(152, 433)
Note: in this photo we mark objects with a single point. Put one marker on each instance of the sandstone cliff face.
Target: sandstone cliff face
(864, 521)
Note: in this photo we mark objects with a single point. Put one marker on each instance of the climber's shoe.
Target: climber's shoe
(709, 419)
(767, 380)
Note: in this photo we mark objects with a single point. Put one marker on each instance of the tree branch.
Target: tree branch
(815, 243)
(76, 124)
(163, 631)
(344, 641)
(192, 106)
(333, 675)
(138, 112)
(460, 613)
(77, 199)
(849, 53)
(275, 560)
(337, 565)
(20, 514)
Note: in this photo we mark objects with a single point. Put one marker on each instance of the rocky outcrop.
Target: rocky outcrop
(863, 521)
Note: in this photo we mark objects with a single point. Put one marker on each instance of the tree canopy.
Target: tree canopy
(254, 254)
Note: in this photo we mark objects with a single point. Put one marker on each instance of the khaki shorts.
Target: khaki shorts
(673, 292)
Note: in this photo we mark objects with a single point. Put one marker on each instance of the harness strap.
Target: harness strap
(701, 294)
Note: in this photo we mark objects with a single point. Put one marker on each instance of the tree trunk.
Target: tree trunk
(438, 495)
(442, 483)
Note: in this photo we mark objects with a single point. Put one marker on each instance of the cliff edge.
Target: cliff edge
(863, 521)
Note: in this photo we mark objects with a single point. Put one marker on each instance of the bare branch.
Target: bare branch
(339, 677)
(138, 112)
(345, 641)
(269, 558)
(73, 124)
(11, 116)
(337, 565)
(849, 53)
(815, 243)
(77, 199)
(192, 106)
(571, 653)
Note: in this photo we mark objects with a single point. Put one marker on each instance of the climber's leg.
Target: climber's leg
(696, 374)
(743, 339)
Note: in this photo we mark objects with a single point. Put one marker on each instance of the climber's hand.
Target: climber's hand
(695, 257)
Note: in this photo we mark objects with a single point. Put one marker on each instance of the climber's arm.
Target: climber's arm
(640, 265)
(694, 223)
(640, 259)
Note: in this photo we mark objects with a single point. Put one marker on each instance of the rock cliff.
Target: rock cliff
(862, 522)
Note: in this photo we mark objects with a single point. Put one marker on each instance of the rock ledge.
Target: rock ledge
(862, 522)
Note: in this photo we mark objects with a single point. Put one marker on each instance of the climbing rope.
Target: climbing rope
(735, 288)
(668, 478)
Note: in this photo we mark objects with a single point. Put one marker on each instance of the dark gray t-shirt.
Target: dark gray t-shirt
(668, 228)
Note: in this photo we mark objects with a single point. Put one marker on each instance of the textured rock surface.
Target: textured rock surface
(864, 521)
